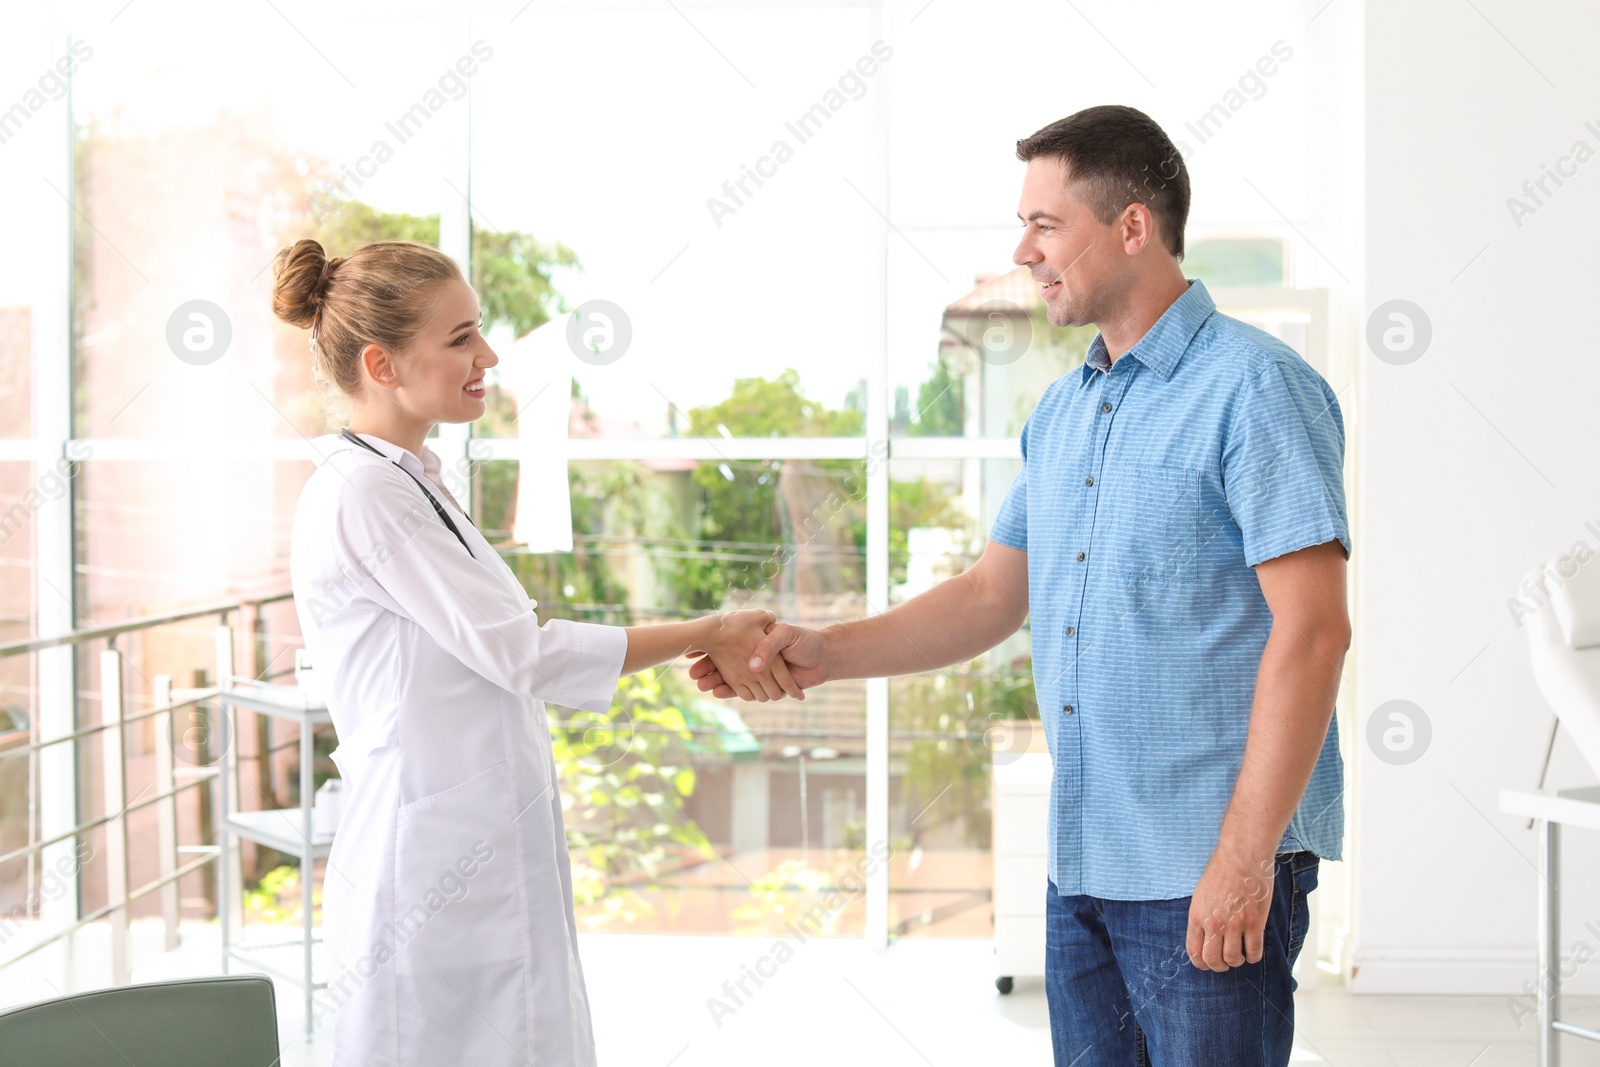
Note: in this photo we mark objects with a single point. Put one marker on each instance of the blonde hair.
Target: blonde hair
(378, 294)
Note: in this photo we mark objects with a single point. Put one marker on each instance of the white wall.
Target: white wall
(1476, 461)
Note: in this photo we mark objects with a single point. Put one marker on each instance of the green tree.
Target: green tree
(511, 272)
(940, 403)
(739, 508)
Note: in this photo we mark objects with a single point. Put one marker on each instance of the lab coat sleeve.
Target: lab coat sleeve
(390, 543)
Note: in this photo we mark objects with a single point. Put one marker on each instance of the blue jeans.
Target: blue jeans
(1123, 993)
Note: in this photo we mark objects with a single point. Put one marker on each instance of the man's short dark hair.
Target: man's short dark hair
(1117, 156)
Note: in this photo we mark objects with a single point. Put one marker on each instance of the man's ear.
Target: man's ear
(1138, 228)
(380, 366)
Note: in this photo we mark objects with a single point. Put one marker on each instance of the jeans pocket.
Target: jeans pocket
(1301, 869)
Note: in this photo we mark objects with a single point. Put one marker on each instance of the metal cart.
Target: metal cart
(289, 830)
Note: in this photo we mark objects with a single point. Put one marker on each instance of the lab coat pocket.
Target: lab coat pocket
(459, 925)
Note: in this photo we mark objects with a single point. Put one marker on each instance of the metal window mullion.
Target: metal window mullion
(455, 241)
(877, 430)
(54, 584)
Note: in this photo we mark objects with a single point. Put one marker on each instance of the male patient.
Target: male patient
(1178, 531)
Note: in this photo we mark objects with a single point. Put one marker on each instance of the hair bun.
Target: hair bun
(301, 272)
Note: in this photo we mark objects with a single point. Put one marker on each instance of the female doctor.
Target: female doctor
(447, 897)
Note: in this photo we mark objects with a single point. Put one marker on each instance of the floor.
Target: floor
(660, 1001)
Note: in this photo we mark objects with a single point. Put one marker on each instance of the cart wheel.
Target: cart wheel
(1003, 984)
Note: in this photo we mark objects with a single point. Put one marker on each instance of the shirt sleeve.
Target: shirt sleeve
(1283, 463)
(1011, 523)
(389, 541)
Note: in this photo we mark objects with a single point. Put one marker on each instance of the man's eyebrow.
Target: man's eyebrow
(1039, 215)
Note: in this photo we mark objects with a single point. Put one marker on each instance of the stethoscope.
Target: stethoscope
(437, 507)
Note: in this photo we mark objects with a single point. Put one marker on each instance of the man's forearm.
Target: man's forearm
(1296, 686)
(953, 622)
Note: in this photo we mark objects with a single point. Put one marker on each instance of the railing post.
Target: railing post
(116, 801)
(167, 810)
(230, 872)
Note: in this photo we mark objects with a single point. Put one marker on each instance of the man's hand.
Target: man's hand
(800, 654)
(726, 653)
(1228, 912)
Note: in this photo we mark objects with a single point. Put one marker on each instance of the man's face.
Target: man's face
(1077, 260)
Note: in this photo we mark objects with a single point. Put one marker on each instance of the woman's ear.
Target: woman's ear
(380, 366)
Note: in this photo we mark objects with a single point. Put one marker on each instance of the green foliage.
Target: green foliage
(962, 706)
(608, 500)
(354, 223)
(773, 407)
(781, 896)
(914, 504)
(511, 272)
(275, 899)
(739, 504)
(940, 403)
(623, 778)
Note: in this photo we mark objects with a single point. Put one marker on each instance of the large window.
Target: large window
(748, 270)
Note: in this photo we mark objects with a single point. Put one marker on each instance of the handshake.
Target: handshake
(751, 655)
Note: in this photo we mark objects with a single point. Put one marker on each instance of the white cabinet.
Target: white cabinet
(1020, 779)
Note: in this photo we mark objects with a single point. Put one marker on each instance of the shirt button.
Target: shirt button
(1080, 557)
(1105, 407)
(1071, 630)
(1067, 709)
(1089, 480)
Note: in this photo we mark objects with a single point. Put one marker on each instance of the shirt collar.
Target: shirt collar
(427, 463)
(1164, 344)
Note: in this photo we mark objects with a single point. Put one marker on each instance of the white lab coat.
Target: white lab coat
(447, 900)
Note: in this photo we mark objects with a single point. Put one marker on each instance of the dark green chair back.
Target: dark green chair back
(201, 1022)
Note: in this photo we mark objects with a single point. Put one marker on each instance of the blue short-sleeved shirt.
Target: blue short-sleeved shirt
(1149, 489)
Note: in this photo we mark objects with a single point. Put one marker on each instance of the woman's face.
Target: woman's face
(441, 378)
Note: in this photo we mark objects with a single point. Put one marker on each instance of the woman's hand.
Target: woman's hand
(730, 640)
(802, 653)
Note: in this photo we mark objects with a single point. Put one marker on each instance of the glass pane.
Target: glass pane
(973, 365)
(949, 728)
(725, 235)
(33, 138)
(196, 164)
(18, 697)
(1237, 109)
(161, 535)
(16, 371)
(688, 814)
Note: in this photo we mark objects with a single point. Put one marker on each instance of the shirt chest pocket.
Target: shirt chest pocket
(1155, 531)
